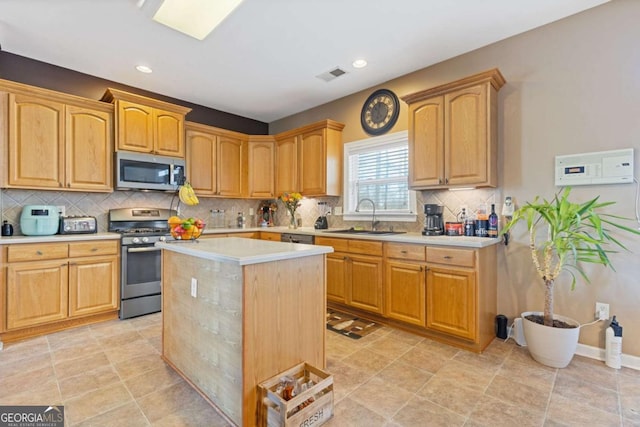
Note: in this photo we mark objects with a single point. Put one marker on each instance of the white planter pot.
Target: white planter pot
(552, 347)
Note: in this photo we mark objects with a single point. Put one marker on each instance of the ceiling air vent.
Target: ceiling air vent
(330, 75)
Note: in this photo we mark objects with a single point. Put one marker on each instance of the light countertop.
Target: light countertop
(410, 237)
(56, 238)
(243, 251)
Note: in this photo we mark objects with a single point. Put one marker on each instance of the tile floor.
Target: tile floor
(110, 374)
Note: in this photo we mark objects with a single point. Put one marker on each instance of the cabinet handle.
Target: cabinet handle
(421, 268)
(94, 249)
(68, 185)
(38, 252)
(439, 180)
(446, 180)
(59, 184)
(403, 252)
(448, 257)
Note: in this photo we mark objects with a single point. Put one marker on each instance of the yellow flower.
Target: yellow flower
(291, 201)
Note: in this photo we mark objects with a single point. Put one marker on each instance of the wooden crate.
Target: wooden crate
(277, 412)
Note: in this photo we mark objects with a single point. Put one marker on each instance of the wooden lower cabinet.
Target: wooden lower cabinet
(36, 293)
(451, 297)
(442, 292)
(54, 286)
(365, 283)
(91, 285)
(355, 273)
(405, 292)
(337, 277)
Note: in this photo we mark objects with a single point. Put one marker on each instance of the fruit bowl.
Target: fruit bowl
(185, 229)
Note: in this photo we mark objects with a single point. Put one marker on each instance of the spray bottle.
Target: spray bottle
(613, 345)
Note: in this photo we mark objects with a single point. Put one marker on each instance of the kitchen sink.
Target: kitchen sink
(360, 231)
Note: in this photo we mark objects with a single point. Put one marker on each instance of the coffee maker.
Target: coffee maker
(433, 225)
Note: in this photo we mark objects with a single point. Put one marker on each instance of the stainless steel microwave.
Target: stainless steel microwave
(139, 171)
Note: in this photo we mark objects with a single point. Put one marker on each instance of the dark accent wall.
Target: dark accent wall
(36, 73)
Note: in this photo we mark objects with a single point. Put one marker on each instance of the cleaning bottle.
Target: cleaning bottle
(613, 345)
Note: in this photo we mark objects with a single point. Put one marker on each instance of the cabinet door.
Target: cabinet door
(168, 133)
(93, 285)
(466, 136)
(36, 142)
(287, 165)
(451, 301)
(426, 143)
(135, 127)
(405, 292)
(313, 163)
(365, 291)
(201, 160)
(336, 277)
(261, 169)
(229, 166)
(88, 148)
(36, 293)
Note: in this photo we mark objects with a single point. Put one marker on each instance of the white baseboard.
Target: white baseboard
(597, 353)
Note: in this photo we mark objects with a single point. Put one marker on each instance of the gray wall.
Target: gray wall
(572, 86)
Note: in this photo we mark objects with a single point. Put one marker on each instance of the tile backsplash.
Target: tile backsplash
(99, 204)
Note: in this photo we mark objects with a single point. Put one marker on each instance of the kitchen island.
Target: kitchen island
(237, 312)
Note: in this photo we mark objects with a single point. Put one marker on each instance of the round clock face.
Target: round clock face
(380, 112)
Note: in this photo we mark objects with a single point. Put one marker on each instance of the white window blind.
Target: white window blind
(377, 169)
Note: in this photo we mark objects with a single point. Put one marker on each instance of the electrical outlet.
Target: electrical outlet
(602, 311)
(194, 287)
(62, 211)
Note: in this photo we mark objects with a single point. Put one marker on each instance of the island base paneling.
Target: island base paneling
(245, 325)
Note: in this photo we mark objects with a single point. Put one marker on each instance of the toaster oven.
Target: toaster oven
(78, 225)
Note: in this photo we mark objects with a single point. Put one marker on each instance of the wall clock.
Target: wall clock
(380, 112)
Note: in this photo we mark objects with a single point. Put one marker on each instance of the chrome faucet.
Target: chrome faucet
(373, 216)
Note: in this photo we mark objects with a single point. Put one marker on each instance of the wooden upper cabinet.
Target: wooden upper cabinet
(453, 133)
(230, 166)
(201, 150)
(56, 141)
(262, 157)
(426, 152)
(286, 167)
(36, 142)
(147, 125)
(169, 133)
(134, 127)
(89, 149)
(216, 161)
(309, 159)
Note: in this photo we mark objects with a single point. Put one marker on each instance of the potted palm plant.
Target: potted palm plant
(563, 235)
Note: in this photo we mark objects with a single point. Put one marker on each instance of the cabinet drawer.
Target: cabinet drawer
(37, 252)
(245, 234)
(93, 248)
(404, 251)
(338, 245)
(450, 256)
(266, 235)
(366, 247)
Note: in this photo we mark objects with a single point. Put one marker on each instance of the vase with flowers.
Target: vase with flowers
(291, 201)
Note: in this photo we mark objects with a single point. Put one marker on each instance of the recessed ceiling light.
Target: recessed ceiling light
(144, 69)
(195, 18)
(359, 63)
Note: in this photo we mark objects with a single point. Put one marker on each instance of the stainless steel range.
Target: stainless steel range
(141, 261)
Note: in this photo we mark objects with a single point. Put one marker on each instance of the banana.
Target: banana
(188, 195)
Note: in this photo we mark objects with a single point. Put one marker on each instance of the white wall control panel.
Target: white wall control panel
(602, 167)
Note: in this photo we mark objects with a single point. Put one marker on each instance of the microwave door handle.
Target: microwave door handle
(172, 180)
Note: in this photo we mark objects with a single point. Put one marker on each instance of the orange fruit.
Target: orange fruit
(174, 220)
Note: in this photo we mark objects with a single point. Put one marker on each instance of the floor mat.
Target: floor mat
(349, 325)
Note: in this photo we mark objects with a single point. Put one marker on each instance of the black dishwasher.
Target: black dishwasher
(307, 239)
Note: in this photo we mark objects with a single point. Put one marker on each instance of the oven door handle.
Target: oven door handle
(145, 249)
